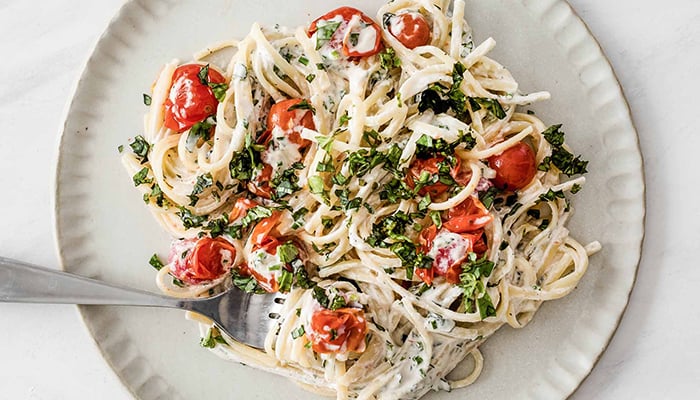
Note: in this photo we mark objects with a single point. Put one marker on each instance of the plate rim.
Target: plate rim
(109, 29)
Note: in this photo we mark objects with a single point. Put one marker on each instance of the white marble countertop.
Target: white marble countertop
(46, 353)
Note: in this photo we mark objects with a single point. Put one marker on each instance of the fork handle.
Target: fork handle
(26, 283)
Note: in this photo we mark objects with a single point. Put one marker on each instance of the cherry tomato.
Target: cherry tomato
(468, 216)
(263, 235)
(240, 208)
(349, 32)
(448, 259)
(515, 167)
(205, 259)
(260, 183)
(338, 331)
(291, 122)
(189, 100)
(411, 29)
(431, 166)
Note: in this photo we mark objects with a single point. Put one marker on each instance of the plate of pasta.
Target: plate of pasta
(443, 216)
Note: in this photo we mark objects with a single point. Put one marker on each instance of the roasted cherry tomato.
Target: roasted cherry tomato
(240, 208)
(448, 257)
(411, 29)
(195, 261)
(357, 33)
(515, 167)
(338, 331)
(260, 183)
(190, 101)
(462, 232)
(431, 166)
(468, 216)
(290, 121)
(265, 242)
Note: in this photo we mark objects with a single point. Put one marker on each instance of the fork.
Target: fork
(245, 317)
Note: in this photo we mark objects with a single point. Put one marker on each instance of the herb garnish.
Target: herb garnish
(560, 157)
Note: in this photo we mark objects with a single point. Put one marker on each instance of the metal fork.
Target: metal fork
(245, 317)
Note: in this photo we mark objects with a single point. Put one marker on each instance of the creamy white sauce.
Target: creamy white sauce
(281, 153)
(366, 39)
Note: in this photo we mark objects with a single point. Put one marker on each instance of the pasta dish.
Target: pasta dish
(383, 173)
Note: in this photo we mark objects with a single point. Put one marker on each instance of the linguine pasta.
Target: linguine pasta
(383, 199)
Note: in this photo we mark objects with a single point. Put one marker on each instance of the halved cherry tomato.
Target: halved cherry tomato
(431, 166)
(468, 216)
(515, 167)
(290, 121)
(448, 259)
(240, 208)
(411, 29)
(350, 32)
(263, 236)
(204, 259)
(190, 101)
(265, 239)
(339, 331)
(260, 183)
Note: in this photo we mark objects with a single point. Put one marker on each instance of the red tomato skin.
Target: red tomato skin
(347, 13)
(290, 122)
(189, 101)
(349, 324)
(259, 185)
(203, 261)
(468, 216)
(415, 30)
(240, 208)
(515, 167)
(431, 165)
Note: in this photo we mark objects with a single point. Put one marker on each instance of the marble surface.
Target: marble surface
(46, 353)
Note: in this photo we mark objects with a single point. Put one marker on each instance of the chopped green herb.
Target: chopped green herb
(304, 60)
(388, 59)
(120, 148)
(325, 31)
(147, 99)
(203, 75)
(287, 252)
(310, 77)
(141, 177)
(140, 147)
(490, 105)
(302, 105)
(155, 262)
(299, 332)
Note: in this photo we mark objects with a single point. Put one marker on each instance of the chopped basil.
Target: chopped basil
(487, 197)
(203, 75)
(327, 222)
(141, 177)
(325, 31)
(247, 284)
(302, 105)
(147, 99)
(552, 195)
(435, 217)
(200, 130)
(287, 252)
(298, 217)
(474, 293)
(285, 281)
(560, 157)
(310, 77)
(575, 188)
(155, 262)
(388, 59)
(491, 105)
(344, 119)
(120, 148)
(304, 60)
(219, 90)
(299, 332)
(319, 294)
(140, 147)
(190, 220)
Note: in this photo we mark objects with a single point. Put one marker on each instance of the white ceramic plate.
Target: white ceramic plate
(104, 230)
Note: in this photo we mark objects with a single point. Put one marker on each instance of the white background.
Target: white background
(654, 47)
